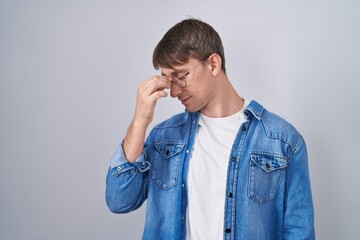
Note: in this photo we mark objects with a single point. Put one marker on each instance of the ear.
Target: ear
(215, 63)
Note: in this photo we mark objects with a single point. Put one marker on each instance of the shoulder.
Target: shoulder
(275, 126)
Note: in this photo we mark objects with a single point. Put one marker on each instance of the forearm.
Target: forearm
(125, 191)
(134, 140)
(126, 183)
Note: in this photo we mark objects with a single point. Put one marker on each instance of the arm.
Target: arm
(299, 211)
(127, 177)
(148, 92)
(126, 183)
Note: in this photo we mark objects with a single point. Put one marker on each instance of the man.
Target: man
(226, 168)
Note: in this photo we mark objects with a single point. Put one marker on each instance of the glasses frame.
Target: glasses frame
(181, 81)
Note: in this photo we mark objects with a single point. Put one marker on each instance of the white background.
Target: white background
(68, 76)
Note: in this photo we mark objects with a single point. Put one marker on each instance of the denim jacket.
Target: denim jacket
(268, 193)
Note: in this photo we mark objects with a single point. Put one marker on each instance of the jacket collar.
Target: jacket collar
(255, 109)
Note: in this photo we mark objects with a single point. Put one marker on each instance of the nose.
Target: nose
(175, 90)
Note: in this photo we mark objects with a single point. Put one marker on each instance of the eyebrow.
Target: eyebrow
(175, 73)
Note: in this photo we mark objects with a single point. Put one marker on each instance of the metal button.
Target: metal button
(228, 230)
(230, 194)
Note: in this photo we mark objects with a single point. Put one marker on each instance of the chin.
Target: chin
(191, 109)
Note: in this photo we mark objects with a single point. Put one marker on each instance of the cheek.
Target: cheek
(202, 91)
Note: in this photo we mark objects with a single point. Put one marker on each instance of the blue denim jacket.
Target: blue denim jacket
(268, 187)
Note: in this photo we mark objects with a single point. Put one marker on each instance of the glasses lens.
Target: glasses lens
(179, 82)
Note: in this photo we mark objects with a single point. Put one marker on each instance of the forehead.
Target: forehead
(172, 71)
(177, 69)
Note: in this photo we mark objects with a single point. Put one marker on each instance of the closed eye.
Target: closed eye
(183, 76)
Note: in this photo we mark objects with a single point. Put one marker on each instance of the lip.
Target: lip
(184, 100)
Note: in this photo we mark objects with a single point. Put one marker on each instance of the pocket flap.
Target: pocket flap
(169, 149)
(268, 162)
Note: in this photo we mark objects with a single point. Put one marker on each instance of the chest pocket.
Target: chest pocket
(265, 173)
(166, 164)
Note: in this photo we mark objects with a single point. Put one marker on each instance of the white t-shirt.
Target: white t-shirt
(207, 175)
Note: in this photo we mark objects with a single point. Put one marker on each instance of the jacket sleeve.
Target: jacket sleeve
(299, 211)
(126, 182)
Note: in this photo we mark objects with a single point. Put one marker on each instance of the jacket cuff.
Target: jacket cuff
(119, 159)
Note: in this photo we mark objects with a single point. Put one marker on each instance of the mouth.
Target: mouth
(184, 100)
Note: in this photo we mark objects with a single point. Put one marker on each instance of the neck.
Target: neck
(225, 102)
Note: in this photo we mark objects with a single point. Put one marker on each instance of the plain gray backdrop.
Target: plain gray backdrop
(68, 77)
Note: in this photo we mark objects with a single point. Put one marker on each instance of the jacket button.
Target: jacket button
(243, 128)
(267, 165)
(233, 159)
(228, 230)
(230, 194)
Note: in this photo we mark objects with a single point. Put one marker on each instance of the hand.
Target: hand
(148, 93)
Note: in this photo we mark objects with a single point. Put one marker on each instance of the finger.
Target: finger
(154, 84)
(155, 78)
(158, 94)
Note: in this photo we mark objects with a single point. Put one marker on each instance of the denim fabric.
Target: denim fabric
(268, 186)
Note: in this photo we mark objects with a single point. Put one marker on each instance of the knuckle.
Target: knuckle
(139, 86)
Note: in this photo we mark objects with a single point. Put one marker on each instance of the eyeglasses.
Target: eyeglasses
(180, 81)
